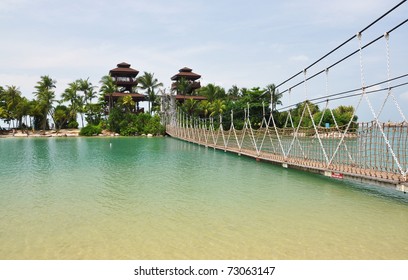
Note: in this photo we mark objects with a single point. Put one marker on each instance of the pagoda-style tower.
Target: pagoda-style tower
(190, 77)
(192, 84)
(125, 79)
(124, 76)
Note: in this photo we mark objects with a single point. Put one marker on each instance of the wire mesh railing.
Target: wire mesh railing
(360, 152)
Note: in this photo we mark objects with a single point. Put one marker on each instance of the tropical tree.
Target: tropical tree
(11, 98)
(85, 100)
(233, 93)
(190, 106)
(149, 84)
(182, 86)
(45, 96)
(87, 88)
(254, 99)
(70, 94)
(275, 96)
(205, 108)
(344, 114)
(301, 109)
(108, 88)
(22, 110)
(218, 107)
(3, 114)
(127, 103)
(212, 92)
(61, 116)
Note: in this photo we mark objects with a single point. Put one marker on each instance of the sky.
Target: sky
(244, 43)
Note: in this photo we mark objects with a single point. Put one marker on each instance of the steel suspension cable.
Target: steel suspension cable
(327, 97)
(344, 43)
(347, 56)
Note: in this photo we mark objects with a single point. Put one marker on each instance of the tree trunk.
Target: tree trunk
(44, 123)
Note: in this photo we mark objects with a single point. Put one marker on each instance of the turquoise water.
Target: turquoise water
(161, 198)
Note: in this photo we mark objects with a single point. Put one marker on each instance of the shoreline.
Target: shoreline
(48, 133)
(55, 133)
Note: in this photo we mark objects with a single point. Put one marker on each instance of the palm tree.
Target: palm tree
(150, 84)
(108, 88)
(205, 107)
(182, 86)
(12, 97)
(85, 105)
(22, 110)
(60, 116)
(190, 106)
(3, 113)
(212, 92)
(70, 94)
(33, 112)
(233, 93)
(274, 95)
(218, 107)
(128, 103)
(45, 97)
(87, 88)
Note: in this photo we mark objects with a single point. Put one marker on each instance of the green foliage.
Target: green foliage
(61, 116)
(150, 84)
(212, 92)
(107, 89)
(204, 108)
(342, 116)
(154, 126)
(73, 124)
(128, 124)
(90, 130)
(45, 97)
(254, 99)
(183, 86)
(190, 106)
(218, 107)
(93, 113)
(127, 103)
(116, 116)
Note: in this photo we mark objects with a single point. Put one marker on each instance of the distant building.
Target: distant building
(125, 79)
(190, 78)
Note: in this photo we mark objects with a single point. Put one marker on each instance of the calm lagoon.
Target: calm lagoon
(161, 198)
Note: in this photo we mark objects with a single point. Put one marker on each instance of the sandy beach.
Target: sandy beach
(52, 133)
(48, 133)
(39, 133)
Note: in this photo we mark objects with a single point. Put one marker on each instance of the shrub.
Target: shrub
(73, 124)
(128, 131)
(116, 117)
(128, 124)
(90, 130)
(154, 126)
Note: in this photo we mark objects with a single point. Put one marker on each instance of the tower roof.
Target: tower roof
(124, 69)
(187, 73)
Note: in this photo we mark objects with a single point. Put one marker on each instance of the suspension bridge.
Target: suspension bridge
(374, 152)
